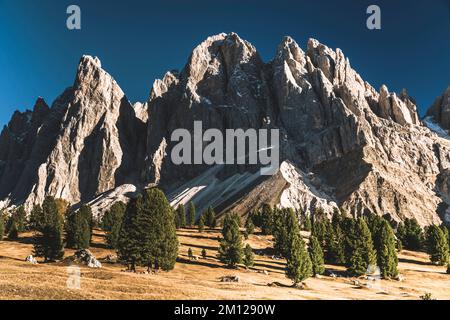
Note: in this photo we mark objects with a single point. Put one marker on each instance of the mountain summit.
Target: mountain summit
(343, 143)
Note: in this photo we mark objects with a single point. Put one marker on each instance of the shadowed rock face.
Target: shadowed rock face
(343, 143)
(440, 110)
(89, 142)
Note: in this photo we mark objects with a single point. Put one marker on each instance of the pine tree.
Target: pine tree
(78, 230)
(248, 256)
(2, 226)
(13, 232)
(49, 241)
(36, 218)
(191, 214)
(385, 246)
(316, 256)
(204, 255)
(336, 249)
(181, 213)
(230, 251)
(190, 254)
(363, 253)
(285, 226)
(210, 218)
(112, 223)
(249, 226)
(20, 217)
(412, 237)
(437, 245)
(148, 235)
(201, 223)
(266, 219)
(307, 224)
(86, 212)
(298, 266)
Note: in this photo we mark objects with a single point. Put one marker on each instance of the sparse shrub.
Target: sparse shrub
(427, 296)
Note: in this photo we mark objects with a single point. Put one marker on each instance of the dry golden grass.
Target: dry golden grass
(200, 279)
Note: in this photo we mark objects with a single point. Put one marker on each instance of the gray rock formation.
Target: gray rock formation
(88, 142)
(440, 110)
(343, 143)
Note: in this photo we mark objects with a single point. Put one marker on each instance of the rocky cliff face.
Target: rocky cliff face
(88, 142)
(343, 143)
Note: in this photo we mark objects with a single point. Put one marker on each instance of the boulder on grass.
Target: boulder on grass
(86, 257)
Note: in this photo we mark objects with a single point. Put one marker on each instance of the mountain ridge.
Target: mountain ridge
(343, 142)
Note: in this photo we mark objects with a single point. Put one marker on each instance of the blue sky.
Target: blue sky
(139, 41)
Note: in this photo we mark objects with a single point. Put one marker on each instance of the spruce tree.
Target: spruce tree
(285, 226)
(210, 218)
(249, 226)
(266, 219)
(20, 217)
(112, 223)
(437, 245)
(336, 254)
(385, 246)
(86, 212)
(13, 232)
(201, 223)
(148, 235)
(363, 253)
(298, 266)
(413, 236)
(181, 213)
(191, 214)
(204, 255)
(316, 256)
(78, 230)
(230, 251)
(307, 224)
(49, 241)
(248, 256)
(36, 218)
(2, 226)
(190, 254)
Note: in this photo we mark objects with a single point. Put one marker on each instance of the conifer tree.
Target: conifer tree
(385, 246)
(266, 219)
(412, 236)
(181, 213)
(190, 254)
(2, 226)
(298, 266)
(248, 256)
(36, 218)
(204, 255)
(336, 249)
(363, 253)
(210, 218)
(230, 251)
(307, 224)
(78, 230)
(148, 235)
(316, 256)
(13, 232)
(49, 241)
(20, 217)
(86, 212)
(191, 214)
(285, 227)
(112, 223)
(437, 245)
(201, 223)
(249, 226)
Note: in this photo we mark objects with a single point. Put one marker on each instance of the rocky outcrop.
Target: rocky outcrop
(88, 142)
(440, 110)
(342, 143)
